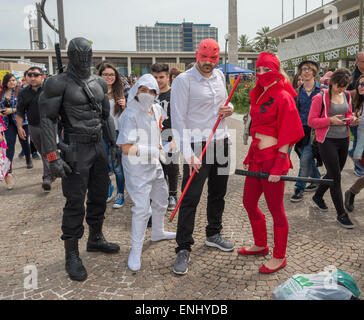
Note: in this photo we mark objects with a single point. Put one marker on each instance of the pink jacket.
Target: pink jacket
(322, 124)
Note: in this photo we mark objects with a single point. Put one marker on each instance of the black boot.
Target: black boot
(349, 201)
(97, 242)
(29, 163)
(74, 266)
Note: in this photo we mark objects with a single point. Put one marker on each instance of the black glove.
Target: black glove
(58, 167)
(115, 156)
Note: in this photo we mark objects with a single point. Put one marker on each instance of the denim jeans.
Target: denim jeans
(354, 132)
(307, 165)
(10, 136)
(119, 172)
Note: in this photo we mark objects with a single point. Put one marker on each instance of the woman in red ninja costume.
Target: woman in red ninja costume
(275, 127)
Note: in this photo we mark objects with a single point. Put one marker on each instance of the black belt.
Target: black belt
(84, 138)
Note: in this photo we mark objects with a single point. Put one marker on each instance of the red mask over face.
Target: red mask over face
(270, 61)
(208, 50)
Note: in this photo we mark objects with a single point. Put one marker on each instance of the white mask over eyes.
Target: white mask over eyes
(146, 100)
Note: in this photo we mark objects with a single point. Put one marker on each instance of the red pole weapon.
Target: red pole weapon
(203, 151)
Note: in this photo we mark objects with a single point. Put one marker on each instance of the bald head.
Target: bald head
(360, 61)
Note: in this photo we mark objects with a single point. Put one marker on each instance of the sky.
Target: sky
(110, 24)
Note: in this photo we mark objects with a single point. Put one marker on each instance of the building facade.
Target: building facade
(127, 62)
(328, 35)
(173, 37)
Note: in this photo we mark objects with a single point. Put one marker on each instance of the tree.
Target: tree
(265, 43)
(245, 44)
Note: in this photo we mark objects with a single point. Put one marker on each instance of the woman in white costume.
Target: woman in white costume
(139, 137)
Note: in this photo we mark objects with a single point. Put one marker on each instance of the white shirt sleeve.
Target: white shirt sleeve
(128, 133)
(179, 109)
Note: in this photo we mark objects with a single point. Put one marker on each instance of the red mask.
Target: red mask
(208, 50)
(270, 61)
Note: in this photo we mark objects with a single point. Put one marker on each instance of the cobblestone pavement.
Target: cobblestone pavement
(30, 231)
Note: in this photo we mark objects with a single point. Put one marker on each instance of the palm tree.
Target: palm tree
(263, 42)
(245, 44)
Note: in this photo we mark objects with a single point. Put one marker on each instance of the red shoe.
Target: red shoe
(264, 269)
(245, 252)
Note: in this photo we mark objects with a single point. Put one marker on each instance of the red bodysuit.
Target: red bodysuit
(274, 114)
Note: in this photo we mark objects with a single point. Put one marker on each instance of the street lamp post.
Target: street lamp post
(227, 37)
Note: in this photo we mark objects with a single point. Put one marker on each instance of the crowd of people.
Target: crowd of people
(330, 109)
(137, 129)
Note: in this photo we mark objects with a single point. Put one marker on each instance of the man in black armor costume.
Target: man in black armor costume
(81, 100)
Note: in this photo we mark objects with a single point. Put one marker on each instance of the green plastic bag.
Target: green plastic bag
(322, 286)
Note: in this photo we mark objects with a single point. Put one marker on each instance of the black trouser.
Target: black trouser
(333, 153)
(170, 170)
(92, 178)
(214, 168)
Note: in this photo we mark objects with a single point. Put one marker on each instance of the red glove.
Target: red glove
(281, 165)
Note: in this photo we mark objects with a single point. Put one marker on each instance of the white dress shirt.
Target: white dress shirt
(195, 104)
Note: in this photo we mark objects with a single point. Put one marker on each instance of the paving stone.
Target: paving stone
(30, 229)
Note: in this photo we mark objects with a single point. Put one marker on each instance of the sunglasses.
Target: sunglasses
(33, 74)
(361, 84)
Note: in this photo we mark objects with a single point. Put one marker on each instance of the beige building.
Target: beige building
(328, 35)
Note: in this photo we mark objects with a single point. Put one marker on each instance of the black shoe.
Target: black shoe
(320, 204)
(96, 241)
(29, 164)
(46, 185)
(349, 201)
(344, 221)
(297, 196)
(311, 188)
(149, 225)
(74, 266)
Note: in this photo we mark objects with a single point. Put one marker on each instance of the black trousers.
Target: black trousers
(333, 153)
(92, 179)
(170, 170)
(215, 168)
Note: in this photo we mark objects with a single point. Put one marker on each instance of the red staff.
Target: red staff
(203, 151)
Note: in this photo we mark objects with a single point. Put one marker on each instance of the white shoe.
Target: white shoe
(9, 179)
(134, 262)
(165, 235)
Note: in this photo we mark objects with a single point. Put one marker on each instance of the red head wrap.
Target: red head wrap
(270, 61)
(208, 50)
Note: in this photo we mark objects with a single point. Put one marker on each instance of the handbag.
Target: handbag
(5, 164)
(362, 159)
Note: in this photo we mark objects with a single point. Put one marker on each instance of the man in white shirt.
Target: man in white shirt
(197, 99)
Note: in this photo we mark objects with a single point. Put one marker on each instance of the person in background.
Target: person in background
(28, 106)
(359, 149)
(173, 73)
(8, 107)
(117, 105)
(170, 167)
(297, 81)
(358, 71)
(308, 70)
(33, 149)
(332, 134)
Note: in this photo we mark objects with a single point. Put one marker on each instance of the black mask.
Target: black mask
(80, 57)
